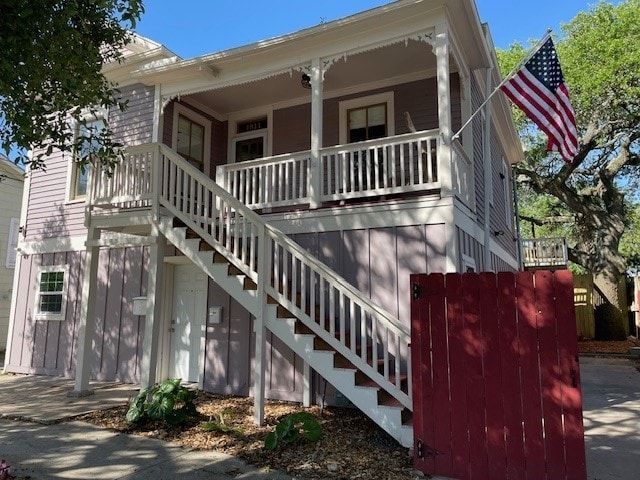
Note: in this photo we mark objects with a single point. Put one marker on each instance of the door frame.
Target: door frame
(165, 340)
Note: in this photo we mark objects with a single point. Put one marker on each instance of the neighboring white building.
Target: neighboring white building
(11, 185)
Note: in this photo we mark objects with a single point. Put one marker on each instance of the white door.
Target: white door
(187, 329)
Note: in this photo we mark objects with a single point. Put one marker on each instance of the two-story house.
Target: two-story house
(274, 199)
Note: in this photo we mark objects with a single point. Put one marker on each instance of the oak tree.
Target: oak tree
(590, 199)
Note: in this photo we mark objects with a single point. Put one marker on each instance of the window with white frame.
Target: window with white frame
(51, 297)
(192, 136)
(90, 130)
(366, 118)
(468, 264)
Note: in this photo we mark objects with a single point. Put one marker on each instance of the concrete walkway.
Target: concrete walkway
(37, 448)
(46, 450)
(611, 407)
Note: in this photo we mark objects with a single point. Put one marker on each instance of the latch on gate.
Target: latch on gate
(415, 290)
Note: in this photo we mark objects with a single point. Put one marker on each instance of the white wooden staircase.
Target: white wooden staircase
(362, 350)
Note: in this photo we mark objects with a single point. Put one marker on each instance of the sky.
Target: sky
(198, 27)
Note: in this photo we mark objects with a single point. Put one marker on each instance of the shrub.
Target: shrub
(609, 323)
(168, 401)
(292, 428)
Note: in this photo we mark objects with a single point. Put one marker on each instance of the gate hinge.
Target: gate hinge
(423, 450)
(415, 291)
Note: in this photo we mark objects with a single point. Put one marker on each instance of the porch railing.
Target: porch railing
(385, 166)
(371, 338)
(544, 252)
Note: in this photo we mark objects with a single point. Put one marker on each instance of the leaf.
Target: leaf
(168, 386)
(271, 441)
(134, 414)
(160, 409)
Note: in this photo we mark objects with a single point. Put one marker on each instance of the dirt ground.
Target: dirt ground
(351, 445)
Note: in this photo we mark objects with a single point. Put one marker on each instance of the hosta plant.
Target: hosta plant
(293, 428)
(168, 401)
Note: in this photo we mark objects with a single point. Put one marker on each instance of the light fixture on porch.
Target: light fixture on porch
(305, 81)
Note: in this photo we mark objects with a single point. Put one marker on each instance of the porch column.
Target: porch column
(87, 315)
(444, 109)
(153, 319)
(316, 133)
(445, 156)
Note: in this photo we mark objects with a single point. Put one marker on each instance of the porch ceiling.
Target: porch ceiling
(354, 72)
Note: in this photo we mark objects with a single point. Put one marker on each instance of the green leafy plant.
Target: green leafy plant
(167, 400)
(293, 428)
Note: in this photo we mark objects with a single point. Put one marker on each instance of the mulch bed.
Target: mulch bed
(351, 445)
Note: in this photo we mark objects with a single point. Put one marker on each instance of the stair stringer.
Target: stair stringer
(365, 398)
(219, 272)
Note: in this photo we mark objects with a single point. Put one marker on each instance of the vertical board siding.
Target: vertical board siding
(230, 353)
(496, 378)
(48, 347)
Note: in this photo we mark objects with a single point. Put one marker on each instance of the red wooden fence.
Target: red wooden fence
(496, 382)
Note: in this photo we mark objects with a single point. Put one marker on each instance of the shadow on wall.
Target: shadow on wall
(43, 346)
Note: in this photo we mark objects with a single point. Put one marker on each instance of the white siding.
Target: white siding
(11, 201)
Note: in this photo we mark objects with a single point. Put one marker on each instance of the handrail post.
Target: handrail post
(156, 173)
(260, 330)
(91, 194)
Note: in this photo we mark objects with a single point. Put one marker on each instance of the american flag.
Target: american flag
(538, 89)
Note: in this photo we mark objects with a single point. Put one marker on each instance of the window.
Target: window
(91, 130)
(191, 141)
(366, 118)
(468, 264)
(250, 139)
(367, 123)
(191, 136)
(51, 298)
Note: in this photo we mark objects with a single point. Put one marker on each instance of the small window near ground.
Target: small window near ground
(51, 297)
(468, 264)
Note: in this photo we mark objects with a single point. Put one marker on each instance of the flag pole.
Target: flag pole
(531, 53)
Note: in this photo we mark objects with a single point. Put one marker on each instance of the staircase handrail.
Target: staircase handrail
(281, 237)
(385, 323)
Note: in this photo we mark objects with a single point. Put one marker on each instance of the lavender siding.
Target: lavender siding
(230, 353)
(218, 150)
(478, 148)
(49, 347)
(48, 214)
(378, 261)
(467, 245)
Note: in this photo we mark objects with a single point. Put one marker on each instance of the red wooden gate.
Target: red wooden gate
(496, 382)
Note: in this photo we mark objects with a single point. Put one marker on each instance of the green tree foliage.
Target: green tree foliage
(589, 199)
(50, 72)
